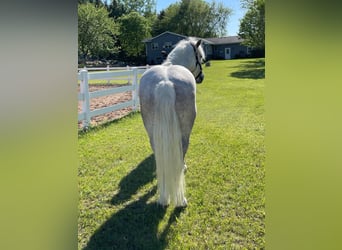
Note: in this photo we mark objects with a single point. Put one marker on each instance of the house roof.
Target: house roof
(225, 40)
(213, 40)
(166, 32)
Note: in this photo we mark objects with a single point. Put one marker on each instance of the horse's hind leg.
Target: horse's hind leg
(185, 145)
(186, 127)
(147, 117)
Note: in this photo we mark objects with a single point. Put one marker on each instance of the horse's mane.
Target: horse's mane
(180, 48)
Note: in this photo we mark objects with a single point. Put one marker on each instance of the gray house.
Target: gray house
(226, 48)
(230, 47)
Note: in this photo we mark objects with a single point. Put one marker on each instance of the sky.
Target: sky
(234, 20)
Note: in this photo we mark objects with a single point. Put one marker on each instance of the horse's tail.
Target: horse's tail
(168, 151)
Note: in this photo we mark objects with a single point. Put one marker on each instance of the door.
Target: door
(227, 54)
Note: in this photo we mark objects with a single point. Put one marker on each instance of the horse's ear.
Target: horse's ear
(198, 43)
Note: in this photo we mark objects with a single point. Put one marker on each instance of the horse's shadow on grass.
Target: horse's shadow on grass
(136, 225)
(251, 70)
(137, 178)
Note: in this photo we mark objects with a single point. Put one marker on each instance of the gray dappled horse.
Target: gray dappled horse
(167, 95)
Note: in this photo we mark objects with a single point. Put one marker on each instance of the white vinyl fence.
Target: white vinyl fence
(131, 74)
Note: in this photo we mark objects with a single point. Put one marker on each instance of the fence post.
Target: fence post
(129, 76)
(135, 89)
(84, 88)
(108, 71)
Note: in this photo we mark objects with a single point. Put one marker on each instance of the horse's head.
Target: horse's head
(189, 53)
(199, 59)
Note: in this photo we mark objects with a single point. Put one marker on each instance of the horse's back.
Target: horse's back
(182, 79)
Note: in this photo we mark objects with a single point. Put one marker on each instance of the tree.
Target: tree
(219, 19)
(246, 3)
(143, 7)
(96, 32)
(193, 18)
(97, 3)
(118, 8)
(252, 26)
(133, 29)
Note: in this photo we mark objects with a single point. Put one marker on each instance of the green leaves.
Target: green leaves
(252, 26)
(193, 18)
(105, 30)
(96, 32)
(133, 29)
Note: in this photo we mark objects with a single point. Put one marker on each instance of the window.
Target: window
(167, 45)
(155, 46)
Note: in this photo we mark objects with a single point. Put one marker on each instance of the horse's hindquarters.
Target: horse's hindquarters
(167, 99)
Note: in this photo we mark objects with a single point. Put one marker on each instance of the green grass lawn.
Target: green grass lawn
(225, 181)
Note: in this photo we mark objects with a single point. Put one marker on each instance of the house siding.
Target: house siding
(236, 51)
(165, 42)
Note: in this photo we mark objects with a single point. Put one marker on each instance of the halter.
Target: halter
(197, 62)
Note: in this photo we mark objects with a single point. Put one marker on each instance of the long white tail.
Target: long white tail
(167, 141)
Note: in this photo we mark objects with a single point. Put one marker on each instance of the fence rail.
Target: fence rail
(109, 68)
(132, 74)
